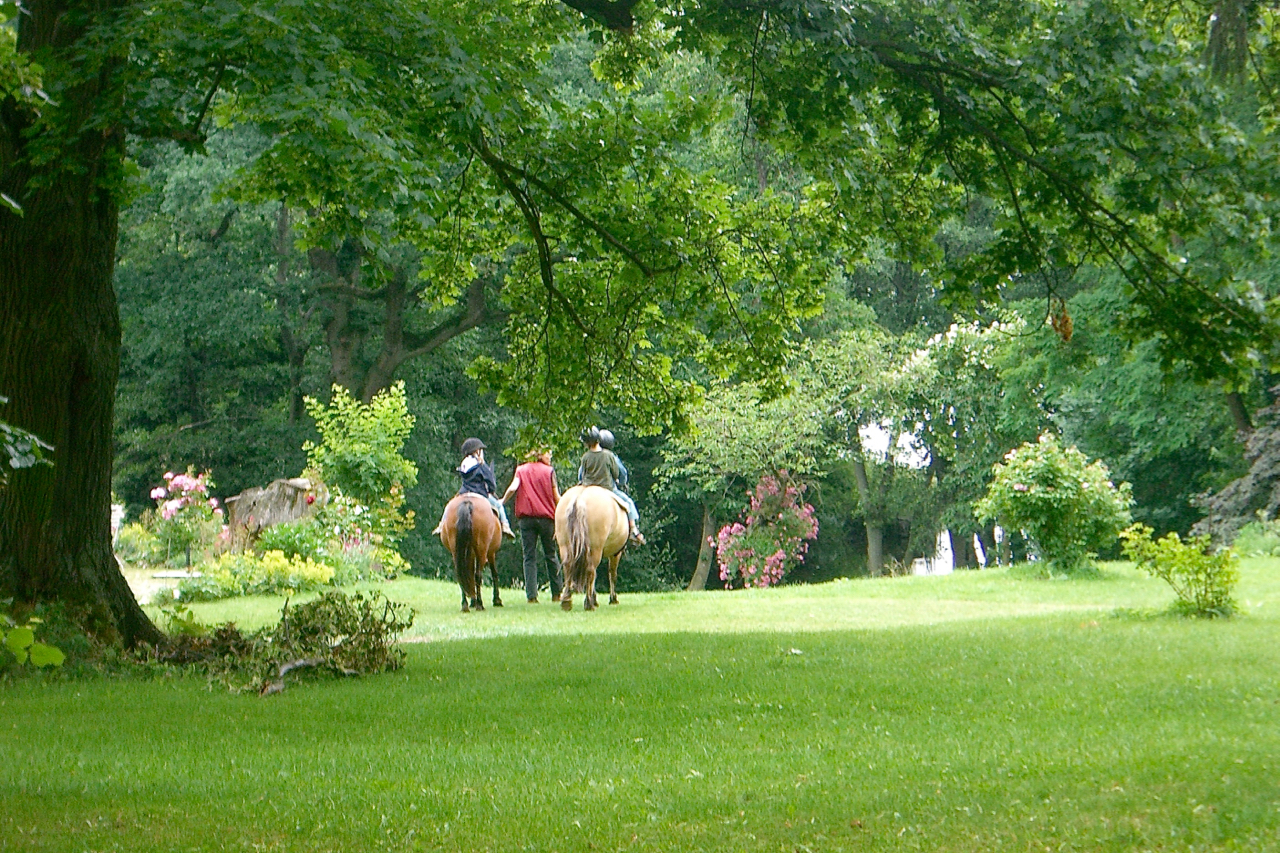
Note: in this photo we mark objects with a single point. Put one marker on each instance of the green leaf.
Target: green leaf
(6, 201)
(17, 641)
(45, 655)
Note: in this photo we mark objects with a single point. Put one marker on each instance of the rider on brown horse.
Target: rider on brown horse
(478, 479)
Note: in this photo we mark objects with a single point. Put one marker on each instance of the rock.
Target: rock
(256, 509)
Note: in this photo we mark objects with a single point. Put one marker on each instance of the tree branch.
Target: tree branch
(531, 218)
(577, 214)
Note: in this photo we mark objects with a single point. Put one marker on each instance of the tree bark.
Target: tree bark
(703, 569)
(987, 536)
(1239, 413)
(292, 341)
(962, 550)
(60, 348)
(346, 328)
(875, 530)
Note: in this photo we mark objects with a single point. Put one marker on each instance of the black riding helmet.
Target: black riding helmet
(471, 445)
(591, 435)
(606, 439)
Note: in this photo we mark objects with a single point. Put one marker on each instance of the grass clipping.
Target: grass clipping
(336, 633)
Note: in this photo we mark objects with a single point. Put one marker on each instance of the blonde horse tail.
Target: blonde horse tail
(575, 570)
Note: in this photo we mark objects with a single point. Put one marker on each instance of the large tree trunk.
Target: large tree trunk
(703, 569)
(60, 353)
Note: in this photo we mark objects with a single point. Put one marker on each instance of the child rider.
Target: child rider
(478, 479)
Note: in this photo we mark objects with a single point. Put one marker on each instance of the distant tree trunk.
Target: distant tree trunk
(908, 553)
(60, 347)
(292, 340)
(350, 306)
(1239, 412)
(962, 550)
(875, 530)
(987, 536)
(1017, 546)
(875, 550)
(705, 553)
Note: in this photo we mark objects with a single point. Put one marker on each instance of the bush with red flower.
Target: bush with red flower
(771, 539)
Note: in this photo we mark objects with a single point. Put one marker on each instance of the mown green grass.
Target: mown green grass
(968, 713)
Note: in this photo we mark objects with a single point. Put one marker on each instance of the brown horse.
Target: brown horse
(590, 525)
(471, 532)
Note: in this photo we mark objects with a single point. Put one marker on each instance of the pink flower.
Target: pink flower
(168, 475)
(170, 508)
(311, 499)
(213, 503)
(1020, 487)
(159, 493)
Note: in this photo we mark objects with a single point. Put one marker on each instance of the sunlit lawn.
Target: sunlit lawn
(964, 713)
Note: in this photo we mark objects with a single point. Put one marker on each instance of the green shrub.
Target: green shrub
(249, 574)
(1259, 538)
(1068, 507)
(303, 538)
(136, 544)
(359, 457)
(1202, 580)
(359, 449)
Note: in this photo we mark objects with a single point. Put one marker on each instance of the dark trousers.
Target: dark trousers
(533, 530)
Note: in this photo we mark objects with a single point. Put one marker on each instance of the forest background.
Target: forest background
(738, 234)
(228, 324)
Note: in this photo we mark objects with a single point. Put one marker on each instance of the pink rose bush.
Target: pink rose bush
(186, 514)
(772, 538)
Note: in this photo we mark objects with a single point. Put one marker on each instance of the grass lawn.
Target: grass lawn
(972, 712)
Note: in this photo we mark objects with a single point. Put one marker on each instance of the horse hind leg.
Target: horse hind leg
(593, 561)
(477, 596)
(613, 577)
(493, 572)
(566, 591)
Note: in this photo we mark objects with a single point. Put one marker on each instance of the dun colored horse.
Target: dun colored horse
(590, 525)
(472, 534)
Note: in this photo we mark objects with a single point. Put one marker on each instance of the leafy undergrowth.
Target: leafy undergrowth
(337, 633)
(1071, 730)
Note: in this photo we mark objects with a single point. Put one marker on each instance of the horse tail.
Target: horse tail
(575, 570)
(463, 536)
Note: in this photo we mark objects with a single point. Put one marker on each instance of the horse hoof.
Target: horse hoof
(566, 604)
(613, 599)
(466, 609)
(497, 602)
